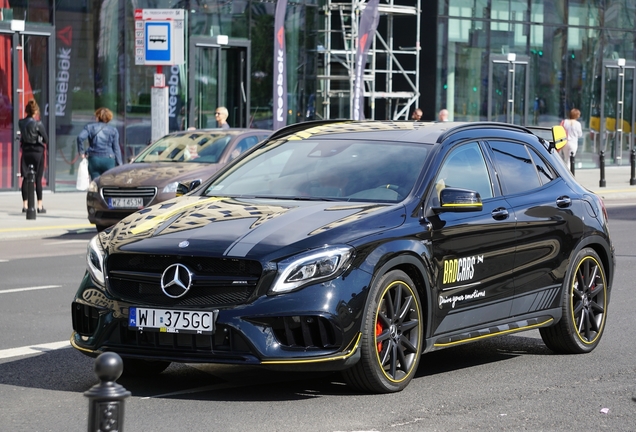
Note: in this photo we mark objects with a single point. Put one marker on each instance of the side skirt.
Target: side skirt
(444, 341)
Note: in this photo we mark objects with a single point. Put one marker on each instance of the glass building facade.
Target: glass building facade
(527, 62)
(530, 62)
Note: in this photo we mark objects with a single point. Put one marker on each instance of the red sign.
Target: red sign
(66, 35)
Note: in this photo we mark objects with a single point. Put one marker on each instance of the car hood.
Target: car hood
(257, 229)
(155, 174)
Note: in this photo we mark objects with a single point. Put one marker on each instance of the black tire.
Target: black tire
(143, 368)
(392, 335)
(584, 307)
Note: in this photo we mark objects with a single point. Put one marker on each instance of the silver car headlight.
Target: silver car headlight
(170, 187)
(312, 266)
(95, 261)
(92, 187)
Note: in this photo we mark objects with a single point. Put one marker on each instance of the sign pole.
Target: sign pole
(159, 106)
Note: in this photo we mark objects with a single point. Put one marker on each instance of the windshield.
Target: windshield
(339, 170)
(194, 146)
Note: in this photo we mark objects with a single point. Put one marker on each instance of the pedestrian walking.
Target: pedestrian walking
(33, 139)
(574, 131)
(221, 114)
(417, 114)
(103, 150)
(442, 115)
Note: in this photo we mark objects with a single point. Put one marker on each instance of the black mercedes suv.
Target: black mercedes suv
(355, 247)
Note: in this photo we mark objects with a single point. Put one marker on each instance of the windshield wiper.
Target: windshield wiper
(308, 198)
(290, 198)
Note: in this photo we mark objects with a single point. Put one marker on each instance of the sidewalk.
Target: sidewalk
(616, 180)
(66, 211)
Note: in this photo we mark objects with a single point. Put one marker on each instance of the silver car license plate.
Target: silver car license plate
(136, 203)
(172, 321)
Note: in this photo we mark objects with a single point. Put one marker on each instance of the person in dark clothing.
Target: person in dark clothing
(33, 138)
(103, 150)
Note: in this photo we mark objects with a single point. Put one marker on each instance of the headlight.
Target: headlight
(95, 261)
(312, 266)
(93, 187)
(170, 187)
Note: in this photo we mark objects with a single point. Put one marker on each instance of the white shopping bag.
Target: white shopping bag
(83, 178)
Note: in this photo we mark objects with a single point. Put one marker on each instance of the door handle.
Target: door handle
(563, 202)
(500, 213)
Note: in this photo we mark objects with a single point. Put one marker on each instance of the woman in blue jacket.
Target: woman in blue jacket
(103, 150)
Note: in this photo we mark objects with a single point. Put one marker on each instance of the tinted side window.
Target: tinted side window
(465, 168)
(515, 167)
(248, 143)
(546, 173)
(243, 145)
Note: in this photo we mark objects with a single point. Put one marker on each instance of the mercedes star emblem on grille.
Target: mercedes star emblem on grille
(176, 280)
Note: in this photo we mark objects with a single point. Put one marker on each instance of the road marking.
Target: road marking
(33, 349)
(43, 228)
(65, 242)
(599, 191)
(29, 289)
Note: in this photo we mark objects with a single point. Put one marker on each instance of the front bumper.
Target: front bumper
(316, 328)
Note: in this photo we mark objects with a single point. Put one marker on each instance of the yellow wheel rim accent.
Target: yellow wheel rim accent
(380, 343)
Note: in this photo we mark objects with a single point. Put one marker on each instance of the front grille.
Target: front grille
(117, 215)
(225, 341)
(146, 193)
(216, 282)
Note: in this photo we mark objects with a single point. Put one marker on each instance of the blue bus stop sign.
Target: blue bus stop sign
(158, 41)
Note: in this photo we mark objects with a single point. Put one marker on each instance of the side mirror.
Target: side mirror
(458, 200)
(187, 187)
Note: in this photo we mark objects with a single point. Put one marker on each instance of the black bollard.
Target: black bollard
(601, 160)
(632, 160)
(106, 399)
(572, 162)
(30, 179)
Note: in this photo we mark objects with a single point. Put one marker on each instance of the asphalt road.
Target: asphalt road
(507, 383)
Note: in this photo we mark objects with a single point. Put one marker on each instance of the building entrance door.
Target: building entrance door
(25, 74)
(219, 77)
(618, 110)
(508, 88)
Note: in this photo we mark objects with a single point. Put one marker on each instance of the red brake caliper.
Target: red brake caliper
(378, 332)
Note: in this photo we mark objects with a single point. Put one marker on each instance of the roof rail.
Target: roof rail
(296, 127)
(482, 125)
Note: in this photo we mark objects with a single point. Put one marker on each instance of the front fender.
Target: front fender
(413, 256)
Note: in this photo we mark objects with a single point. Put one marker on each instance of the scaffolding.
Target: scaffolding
(385, 77)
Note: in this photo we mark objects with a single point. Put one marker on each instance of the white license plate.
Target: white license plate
(126, 203)
(172, 321)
